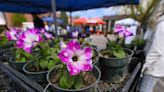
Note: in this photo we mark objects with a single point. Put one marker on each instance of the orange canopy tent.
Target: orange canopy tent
(95, 21)
(80, 21)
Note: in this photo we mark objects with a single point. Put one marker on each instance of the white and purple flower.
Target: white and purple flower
(122, 31)
(76, 58)
(75, 34)
(13, 34)
(62, 45)
(119, 28)
(48, 35)
(28, 40)
(127, 33)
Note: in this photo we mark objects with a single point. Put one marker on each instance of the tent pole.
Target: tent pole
(53, 6)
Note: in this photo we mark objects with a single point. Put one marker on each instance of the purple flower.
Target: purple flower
(119, 29)
(62, 45)
(13, 34)
(128, 33)
(75, 34)
(122, 31)
(28, 40)
(48, 35)
(75, 58)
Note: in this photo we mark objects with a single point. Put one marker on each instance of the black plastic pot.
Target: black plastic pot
(91, 88)
(95, 62)
(2, 59)
(114, 69)
(16, 65)
(6, 46)
(2, 51)
(9, 55)
(35, 76)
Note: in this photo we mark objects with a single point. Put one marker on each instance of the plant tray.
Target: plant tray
(18, 82)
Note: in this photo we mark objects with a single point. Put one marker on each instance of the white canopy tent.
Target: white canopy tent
(127, 21)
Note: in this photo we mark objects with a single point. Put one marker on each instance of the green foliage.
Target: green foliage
(51, 64)
(64, 17)
(18, 19)
(3, 40)
(78, 82)
(76, 17)
(22, 56)
(46, 56)
(138, 41)
(43, 63)
(69, 82)
(114, 50)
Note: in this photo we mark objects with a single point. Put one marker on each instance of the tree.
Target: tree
(18, 19)
(64, 17)
(76, 17)
(144, 10)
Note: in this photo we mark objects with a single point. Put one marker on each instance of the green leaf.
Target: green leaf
(43, 63)
(51, 64)
(119, 54)
(23, 59)
(68, 80)
(78, 82)
(62, 83)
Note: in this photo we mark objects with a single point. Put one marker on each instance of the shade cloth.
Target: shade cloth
(40, 6)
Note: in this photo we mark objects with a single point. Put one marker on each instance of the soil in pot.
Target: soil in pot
(89, 81)
(35, 73)
(35, 68)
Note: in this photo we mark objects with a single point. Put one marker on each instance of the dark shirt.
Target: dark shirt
(38, 23)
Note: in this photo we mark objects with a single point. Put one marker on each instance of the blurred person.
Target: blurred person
(38, 22)
(153, 69)
(87, 30)
(3, 23)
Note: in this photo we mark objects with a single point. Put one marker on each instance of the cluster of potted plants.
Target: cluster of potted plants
(36, 52)
(71, 64)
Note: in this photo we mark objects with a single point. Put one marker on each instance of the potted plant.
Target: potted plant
(76, 72)
(5, 44)
(16, 57)
(45, 57)
(115, 59)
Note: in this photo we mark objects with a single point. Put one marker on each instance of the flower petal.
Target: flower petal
(65, 55)
(88, 52)
(20, 43)
(128, 33)
(11, 35)
(28, 49)
(119, 29)
(73, 45)
(73, 68)
(48, 35)
(75, 34)
(87, 65)
(62, 45)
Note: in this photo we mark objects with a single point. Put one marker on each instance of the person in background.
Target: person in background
(38, 22)
(3, 23)
(87, 30)
(153, 69)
